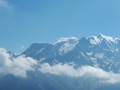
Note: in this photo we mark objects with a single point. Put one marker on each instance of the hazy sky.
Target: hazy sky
(23, 22)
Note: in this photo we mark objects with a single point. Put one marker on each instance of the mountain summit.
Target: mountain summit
(91, 63)
(98, 51)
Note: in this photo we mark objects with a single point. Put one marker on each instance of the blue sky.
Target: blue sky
(23, 22)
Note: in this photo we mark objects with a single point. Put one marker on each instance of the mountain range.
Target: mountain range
(91, 63)
(98, 51)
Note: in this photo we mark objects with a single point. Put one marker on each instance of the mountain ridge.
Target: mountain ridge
(99, 51)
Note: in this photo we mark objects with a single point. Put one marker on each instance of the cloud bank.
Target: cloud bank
(5, 4)
(20, 65)
(15, 66)
(84, 71)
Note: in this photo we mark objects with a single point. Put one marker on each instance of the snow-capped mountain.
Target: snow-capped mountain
(98, 51)
(91, 63)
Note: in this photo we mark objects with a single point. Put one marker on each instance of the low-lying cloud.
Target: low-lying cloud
(89, 71)
(16, 66)
(20, 65)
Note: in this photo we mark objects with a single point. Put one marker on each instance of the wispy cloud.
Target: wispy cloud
(89, 71)
(5, 4)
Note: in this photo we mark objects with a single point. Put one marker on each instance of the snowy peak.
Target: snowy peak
(68, 39)
(99, 38)
(99, 51)
(108, 38)
(64, 45)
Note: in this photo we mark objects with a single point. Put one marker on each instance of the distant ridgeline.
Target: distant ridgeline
(91, 63)
(98, 51)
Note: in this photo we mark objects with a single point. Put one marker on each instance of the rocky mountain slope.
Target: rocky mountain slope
(98, 51)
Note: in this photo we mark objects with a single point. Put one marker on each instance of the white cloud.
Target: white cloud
(16, 66)
(5, 4)
(20, 65)
(89, 71)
